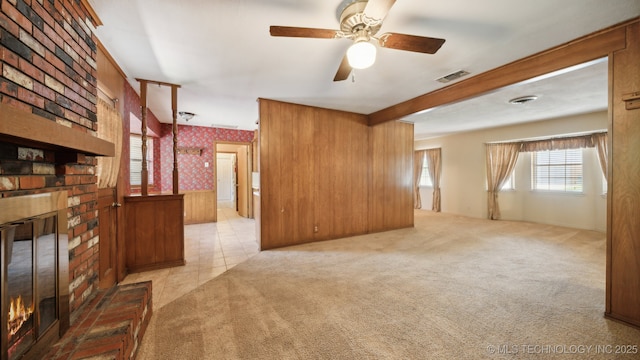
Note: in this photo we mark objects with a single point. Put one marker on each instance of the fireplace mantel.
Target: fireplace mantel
(21, 127)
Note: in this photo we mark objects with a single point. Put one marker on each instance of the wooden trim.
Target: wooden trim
(597, 45)
(157, 82)
(632, 100)
(623, 230)
(144, 182)
(174, 131)
(611, 130)
(623, 320)
(110, 58)
(248, 190)
(94, 16)
(19, 126)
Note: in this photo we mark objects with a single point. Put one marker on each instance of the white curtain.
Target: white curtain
(109, 129)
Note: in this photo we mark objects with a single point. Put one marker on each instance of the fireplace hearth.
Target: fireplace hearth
(34, 304)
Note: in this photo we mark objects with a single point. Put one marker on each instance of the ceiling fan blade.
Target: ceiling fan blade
(414, 43)
(343, 71)
(378, 9)
(291, 31)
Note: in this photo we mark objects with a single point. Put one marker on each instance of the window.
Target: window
(135, 162)
(510, 184)
(425, 179)
(557, 170)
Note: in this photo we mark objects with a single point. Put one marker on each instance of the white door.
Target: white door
(224, 169)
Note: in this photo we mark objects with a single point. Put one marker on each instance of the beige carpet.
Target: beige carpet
(450, 288)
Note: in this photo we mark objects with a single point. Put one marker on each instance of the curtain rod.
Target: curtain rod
(558, 137)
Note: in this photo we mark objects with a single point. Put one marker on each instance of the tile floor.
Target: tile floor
(210, 250)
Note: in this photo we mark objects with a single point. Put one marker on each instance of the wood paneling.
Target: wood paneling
(578, 51)
(341, 174)
(107, 217)
(154, 232)
(199, 206)
(285, 185)
(257, 217)
(110, 78)
(317, 173)
(111, 84)
(392, 195)
(623, 250)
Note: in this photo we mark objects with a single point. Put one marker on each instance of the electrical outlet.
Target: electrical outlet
(315, 229)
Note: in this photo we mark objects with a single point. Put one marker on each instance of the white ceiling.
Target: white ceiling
(222, 55)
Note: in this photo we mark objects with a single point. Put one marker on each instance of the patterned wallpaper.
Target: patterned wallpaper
(193, 175)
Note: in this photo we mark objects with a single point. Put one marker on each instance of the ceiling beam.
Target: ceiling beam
(596, 45)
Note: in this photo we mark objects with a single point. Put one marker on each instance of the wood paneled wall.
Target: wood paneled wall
(320, 170)
(199, 206)
(392, 181)
(110, 78)
(623, 250)
(154, 232)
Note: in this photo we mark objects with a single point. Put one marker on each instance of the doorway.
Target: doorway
(226, 179)
(233, 166)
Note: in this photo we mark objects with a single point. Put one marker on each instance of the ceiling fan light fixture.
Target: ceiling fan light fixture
(186, 116)
(361, 55)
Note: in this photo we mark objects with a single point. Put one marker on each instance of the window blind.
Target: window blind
(557, 170)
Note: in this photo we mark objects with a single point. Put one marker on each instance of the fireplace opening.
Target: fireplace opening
(32, 248)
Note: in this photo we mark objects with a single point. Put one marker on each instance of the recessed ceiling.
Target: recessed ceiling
(222, 55)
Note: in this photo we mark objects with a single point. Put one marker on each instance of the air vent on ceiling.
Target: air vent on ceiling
(453, 76)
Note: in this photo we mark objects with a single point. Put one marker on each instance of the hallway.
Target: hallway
(210, 250)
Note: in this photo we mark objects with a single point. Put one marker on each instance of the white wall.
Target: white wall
(463, 182)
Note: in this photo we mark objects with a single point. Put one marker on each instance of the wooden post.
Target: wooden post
(174, 107)
(143, 108)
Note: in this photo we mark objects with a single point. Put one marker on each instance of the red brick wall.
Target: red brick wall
(48, 68)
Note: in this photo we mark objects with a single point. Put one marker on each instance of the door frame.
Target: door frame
(249, 148)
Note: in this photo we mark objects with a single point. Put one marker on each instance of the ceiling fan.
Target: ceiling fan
(360, 21)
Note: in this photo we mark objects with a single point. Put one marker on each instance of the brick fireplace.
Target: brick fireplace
(48, 145)
(41, 159)
(48, 121)
(34, 302)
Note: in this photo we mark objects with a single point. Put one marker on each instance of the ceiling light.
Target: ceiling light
(186, 116)
(523, 99)
(361, 54)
